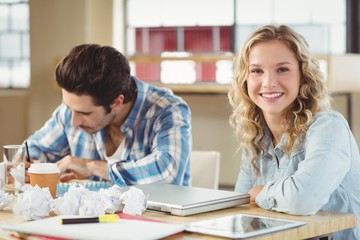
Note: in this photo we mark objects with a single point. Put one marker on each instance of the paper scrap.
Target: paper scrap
(135, 201)
(80, 201)
(5, 199)
(34, 203)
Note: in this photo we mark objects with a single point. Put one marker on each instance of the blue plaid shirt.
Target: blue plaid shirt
(157, 140)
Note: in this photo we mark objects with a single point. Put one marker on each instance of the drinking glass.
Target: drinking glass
(14, 160)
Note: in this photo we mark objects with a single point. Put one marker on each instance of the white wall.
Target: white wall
(211, 131)
(55, 27)
(13, 117)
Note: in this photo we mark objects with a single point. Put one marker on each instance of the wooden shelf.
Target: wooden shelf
(196, 88)
(211, 57)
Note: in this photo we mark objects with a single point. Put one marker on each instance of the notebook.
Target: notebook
(50, 228)
(184, 200)
(63, 187)
(241, 226)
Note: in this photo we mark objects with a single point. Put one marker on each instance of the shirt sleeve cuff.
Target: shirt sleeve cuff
(115, 176)
(264, 200)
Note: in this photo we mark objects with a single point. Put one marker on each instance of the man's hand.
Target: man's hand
(79, 168)
(73, 168)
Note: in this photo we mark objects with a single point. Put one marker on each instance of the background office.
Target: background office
(58, 25)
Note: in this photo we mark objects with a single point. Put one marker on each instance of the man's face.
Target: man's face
(85, 114)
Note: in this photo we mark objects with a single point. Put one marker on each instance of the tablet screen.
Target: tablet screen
(241, 226)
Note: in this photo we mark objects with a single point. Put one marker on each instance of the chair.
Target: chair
(205, 169)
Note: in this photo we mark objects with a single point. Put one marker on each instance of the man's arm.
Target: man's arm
(79, 168)
(169, 142)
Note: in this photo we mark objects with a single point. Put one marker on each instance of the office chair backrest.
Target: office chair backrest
(205, 169)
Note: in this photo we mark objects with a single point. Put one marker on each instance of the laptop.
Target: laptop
(184, 200)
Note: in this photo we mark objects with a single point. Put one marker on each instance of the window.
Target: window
(14, 44)
(180, 41)
(325, 31)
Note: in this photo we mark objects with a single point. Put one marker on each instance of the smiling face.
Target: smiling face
(273, 81)
(85, 114)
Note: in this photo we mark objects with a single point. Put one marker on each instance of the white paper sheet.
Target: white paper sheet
(124, 229)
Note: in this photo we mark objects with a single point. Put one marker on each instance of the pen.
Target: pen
(27, 152)
(107, 218)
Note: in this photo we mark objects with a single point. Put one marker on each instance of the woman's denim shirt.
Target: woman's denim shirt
(324, 174)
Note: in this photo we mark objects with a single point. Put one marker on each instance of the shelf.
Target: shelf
(197, 88)
(211, 57)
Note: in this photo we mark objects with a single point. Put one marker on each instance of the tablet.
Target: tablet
(241, 226)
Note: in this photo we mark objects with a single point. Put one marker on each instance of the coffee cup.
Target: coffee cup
(44, 175)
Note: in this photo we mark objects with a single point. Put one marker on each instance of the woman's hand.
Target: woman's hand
(255, 191)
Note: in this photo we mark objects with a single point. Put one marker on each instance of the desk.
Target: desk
(320, 224)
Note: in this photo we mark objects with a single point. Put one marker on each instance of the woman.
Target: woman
(298, 156)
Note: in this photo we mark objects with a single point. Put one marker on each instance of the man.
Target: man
(112, 125)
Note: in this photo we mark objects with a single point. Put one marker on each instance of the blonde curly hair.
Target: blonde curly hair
(247, 118)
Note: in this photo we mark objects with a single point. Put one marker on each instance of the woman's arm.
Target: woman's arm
(327, 161)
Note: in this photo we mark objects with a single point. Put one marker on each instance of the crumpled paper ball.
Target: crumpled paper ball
(80, 201)
(34, 203)
(69, 204)
(134, 200)
(5, 199)
(91, 204)
(111, 197)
